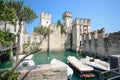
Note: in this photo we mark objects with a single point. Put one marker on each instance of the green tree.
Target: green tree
(7, 14)
(7, 38)
(61, 27)
(24, 14)
(45, 32)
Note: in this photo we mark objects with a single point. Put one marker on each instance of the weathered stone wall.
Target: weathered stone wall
(57, 40)
(54, 42)
(80, 28)
(101, 44)
(113, 44)
(45, 72)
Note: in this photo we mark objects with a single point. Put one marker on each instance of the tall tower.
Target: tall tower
(45, 19)
(67, 20)
(85, 25)
(81, 27)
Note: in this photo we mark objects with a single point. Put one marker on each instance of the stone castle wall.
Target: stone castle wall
(102, 44)
(80, 27)
(57, 40)
(54, 42)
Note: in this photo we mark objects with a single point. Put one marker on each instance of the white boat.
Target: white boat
(59, 63)
(26, 63)
(83, 69)
(96, 63)
(21, 56)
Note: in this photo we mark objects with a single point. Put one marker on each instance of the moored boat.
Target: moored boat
(69, 70)
(96, 63)
(22, 55)
(26, 63)
(83, 69)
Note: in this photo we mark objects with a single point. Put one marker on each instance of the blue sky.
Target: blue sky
(103, 13)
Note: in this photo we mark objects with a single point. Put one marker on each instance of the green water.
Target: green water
(45, 58)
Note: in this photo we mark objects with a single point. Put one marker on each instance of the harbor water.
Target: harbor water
(45, 58)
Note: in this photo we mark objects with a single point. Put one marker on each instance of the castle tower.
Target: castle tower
(45, 19)
(81, 27)
(67, 20)
(85, 25)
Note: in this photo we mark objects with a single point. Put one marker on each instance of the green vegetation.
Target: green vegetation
(13, 76)
(7, 13)
(45, 31)
(14, 12)
(18, 14)
(24, 14)
(6, 38)
(61, 27)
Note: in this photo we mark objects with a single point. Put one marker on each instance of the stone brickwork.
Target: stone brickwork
(67, 21)
(45, 72)
(77, 37)
(80, 27)
(45, 19)
(55, 41)
(101, 43)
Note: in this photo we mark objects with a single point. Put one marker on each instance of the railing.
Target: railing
(114, 72)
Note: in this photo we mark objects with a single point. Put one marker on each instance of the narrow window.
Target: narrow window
(80, 43)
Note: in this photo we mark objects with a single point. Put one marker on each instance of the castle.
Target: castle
(78, 36)
(72, 40)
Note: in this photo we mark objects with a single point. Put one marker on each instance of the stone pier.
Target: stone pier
(44, 72)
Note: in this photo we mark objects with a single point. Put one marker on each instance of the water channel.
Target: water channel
(45, 58)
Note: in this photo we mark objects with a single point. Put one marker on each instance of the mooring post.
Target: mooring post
(101, 76)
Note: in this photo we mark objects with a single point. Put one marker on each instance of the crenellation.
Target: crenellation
(45, 15)
(45, 19)
(76, 21)
(77, 36)
(85, 21)
(67, 14)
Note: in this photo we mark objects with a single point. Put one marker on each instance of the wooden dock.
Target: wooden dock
(81, 69)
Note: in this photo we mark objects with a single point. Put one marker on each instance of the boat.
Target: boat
(96, 63)
(58, 63)
(82, 69)
(26, 63)
(22, 55)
